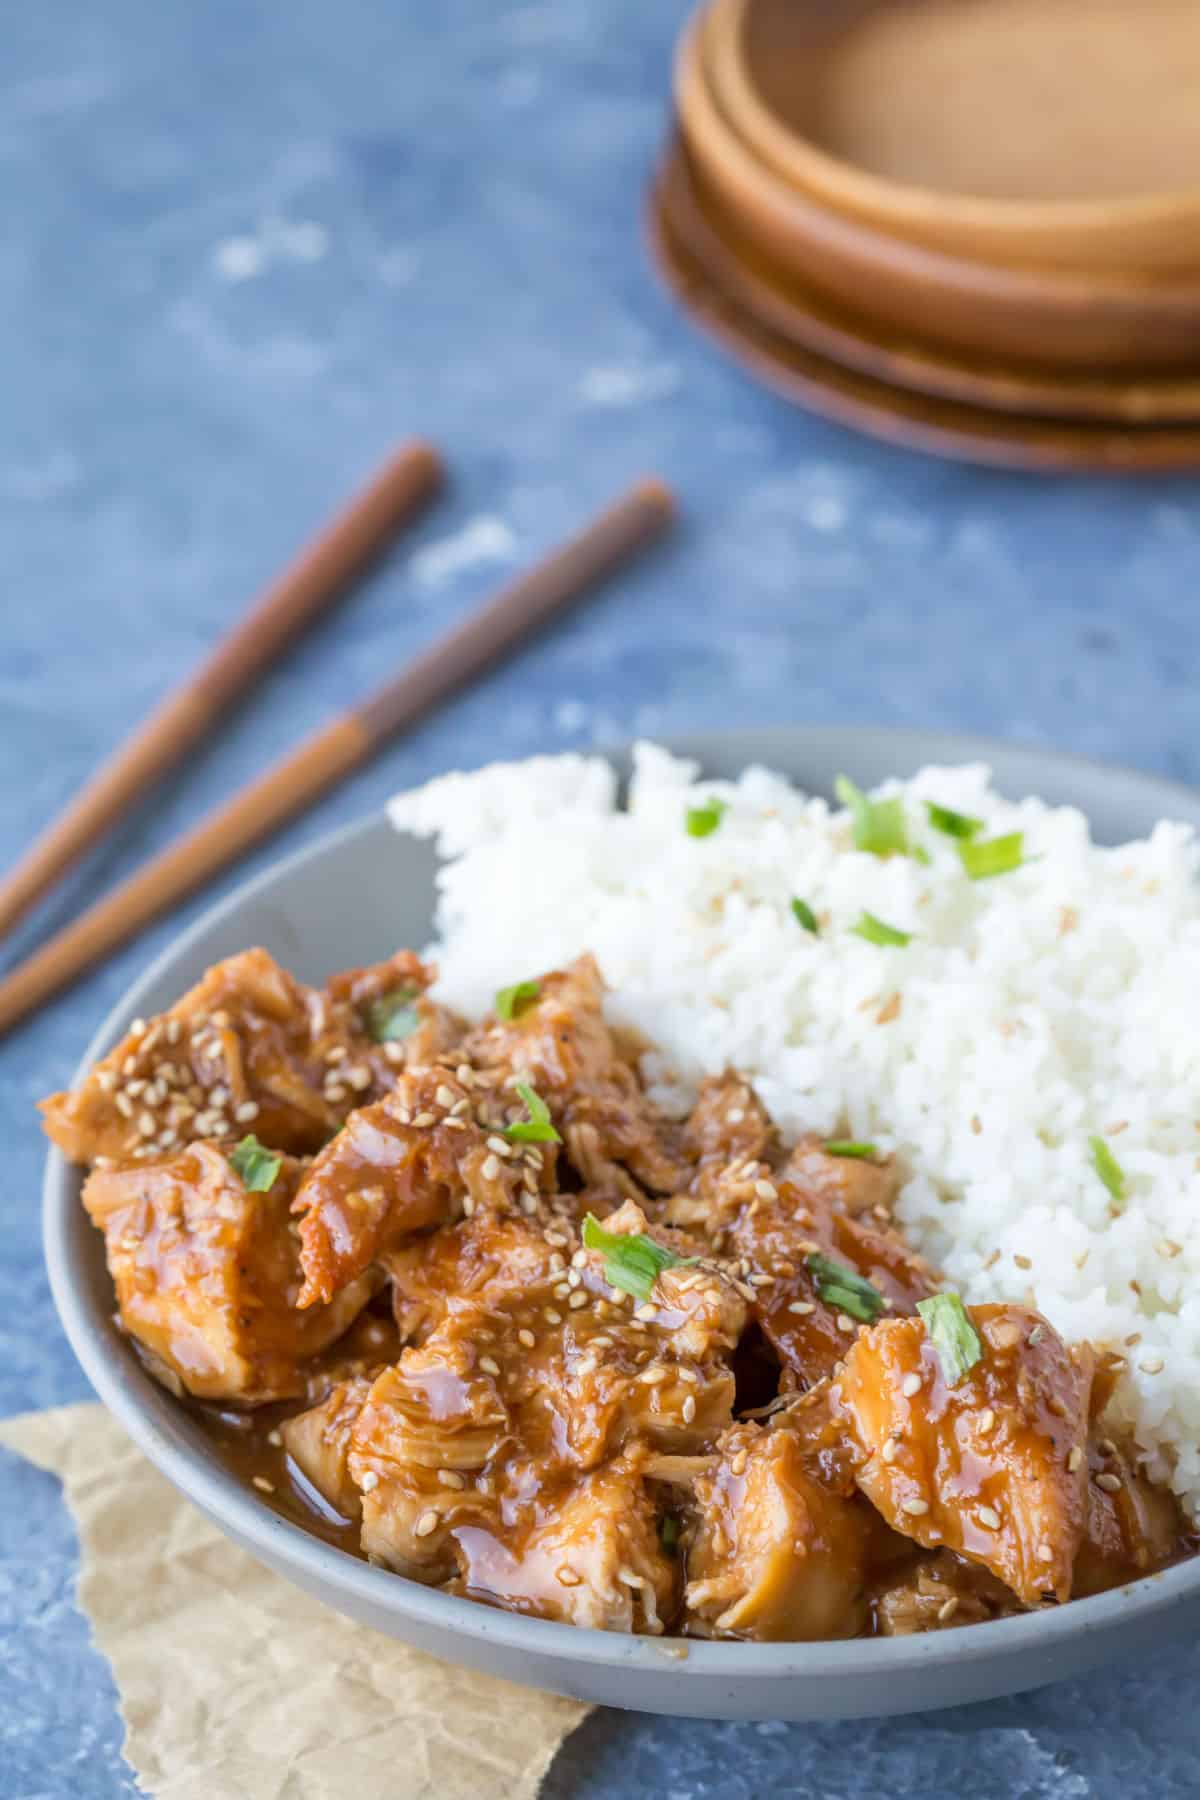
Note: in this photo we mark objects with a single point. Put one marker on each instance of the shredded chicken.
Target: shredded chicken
(721, 1414)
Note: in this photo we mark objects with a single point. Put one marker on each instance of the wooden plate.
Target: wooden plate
(1008, 314)
(922, 422)
(786, 307)
(1064, 133)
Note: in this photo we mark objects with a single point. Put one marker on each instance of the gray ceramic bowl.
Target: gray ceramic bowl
(354, 897)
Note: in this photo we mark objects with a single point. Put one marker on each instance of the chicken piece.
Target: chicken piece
(726, 1129)
(318, 1442)
(562, 1043)
(415, 1160)
(778, 1228)
(482, 1259)
(854, 1185)
(590, 1556)
(207, 1274)
(776, 1553)
(248, 1048)
(694, 1301)
(389, 1002)
(993, 1466)
(937, 1593)
(427, 1430)
(1132, 1525)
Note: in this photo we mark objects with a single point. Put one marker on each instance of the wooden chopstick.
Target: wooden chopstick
(322, 759)
(318, 576)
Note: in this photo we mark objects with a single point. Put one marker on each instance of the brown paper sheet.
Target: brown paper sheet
(236, 1686)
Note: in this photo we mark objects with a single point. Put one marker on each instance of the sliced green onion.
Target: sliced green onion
(992, 856)
(537, 1128)
(394, 1016)
(669, 1533)
(952, 1335)
(703, 820)
(256, 1165)
(877, 932)
(851, 1147)
(954, 824)
(512, 1001)
(1108, 1169)
(842, 1287)
(803, 913)
(878, 824)
(633, 1262)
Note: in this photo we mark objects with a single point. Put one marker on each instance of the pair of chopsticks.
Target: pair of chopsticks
(306, 588)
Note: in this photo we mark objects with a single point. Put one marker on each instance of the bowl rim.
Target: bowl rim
(839, 180)
(123, 1385)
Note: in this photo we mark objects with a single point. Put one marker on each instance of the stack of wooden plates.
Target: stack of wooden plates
(969, 225)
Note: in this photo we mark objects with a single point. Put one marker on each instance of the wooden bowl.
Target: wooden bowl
(983, 309)
(1058, 133)
(938, 426)
(791, 311)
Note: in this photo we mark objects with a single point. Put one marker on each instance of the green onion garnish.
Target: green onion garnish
(952, 1335)
(256, 1165)
(633, 1262)
(876, 932)
(512, 1001)
(992, 856)
(394, 1016)
(841, 1287)
(669, 1533)
(954, 824)
(851, 1147)
(1108, 1169)
(703, 820)
(878, 824)
(537, 1128)
(803, 913)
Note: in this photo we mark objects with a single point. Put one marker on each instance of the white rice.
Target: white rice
(1035, 1009)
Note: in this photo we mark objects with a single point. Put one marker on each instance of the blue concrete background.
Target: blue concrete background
(247, 247)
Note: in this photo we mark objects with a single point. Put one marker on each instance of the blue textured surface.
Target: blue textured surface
(246, 248)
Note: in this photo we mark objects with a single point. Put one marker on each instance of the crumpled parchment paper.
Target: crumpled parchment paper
(236, 1686)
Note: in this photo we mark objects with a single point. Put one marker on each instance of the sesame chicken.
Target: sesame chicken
(982, 1465)
(248, 1048)
(615, 1137)
(463, 1300)
(208, 1273)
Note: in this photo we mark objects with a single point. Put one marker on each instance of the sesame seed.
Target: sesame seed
(845, 1322)
(265, 1486)
(1004, 1336)
(646, 1312)
(551, 1316)
(1151, 1365)
(1022, 1262)
(987, 1419)
(468, 1206)
(987, 1515)
(735, 1115)
(369, 1482)
(393, 1052)
(766, 1190)
(146, 1124)
(1110, 1483)
(427, 1522)
(124, 1106)
(915, 1509)
(137, 1029)
(1106, 1447)
(491, 1168)
(174, 1031)
(910, 1385)
(561, 1291)
(888, 1453)
(689, 1409)
(246, 1111)
(451, 1478)
(1074, 1459)
(359, 1077)
(738, 1462)
(578, 1299)
(601, 1341)
(489, 1365)
(135, 1089)
(947, 1609)
(444, 1096)
(499, 1146)
(760, 1279)
(801, 1307)
(567, 1576)
(424, 1119)
(335, 1091)
(527, 1338)
(654, 1376)
(1045, 1553)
